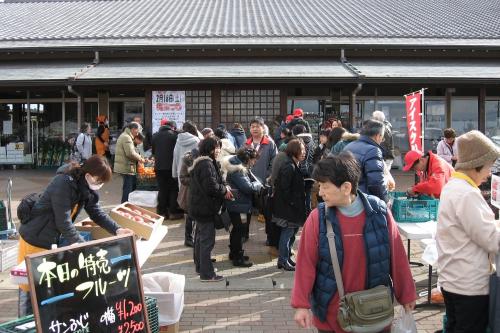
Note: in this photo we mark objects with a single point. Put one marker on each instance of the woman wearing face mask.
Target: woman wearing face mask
(53, 214)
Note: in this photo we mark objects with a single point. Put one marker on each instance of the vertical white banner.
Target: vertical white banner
(170, 105)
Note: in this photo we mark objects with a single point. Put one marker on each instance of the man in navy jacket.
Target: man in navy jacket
(368, 153)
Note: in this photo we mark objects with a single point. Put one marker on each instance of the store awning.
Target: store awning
(38, 72)
(255, 70)
(429, 70)
(217, 71)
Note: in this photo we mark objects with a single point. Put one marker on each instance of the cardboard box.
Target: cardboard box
(95, 230)
(151, 209)
(170, 328)
(8, 254)
(145, 230)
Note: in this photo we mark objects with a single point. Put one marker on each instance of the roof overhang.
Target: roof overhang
(247, 42)
(249, 70)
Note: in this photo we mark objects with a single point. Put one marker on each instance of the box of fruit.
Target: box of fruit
(138, 219)
(95, 230)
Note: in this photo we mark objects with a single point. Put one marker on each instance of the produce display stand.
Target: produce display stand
(146, 177)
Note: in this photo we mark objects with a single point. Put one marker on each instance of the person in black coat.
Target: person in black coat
(243, 186)
(289, 207)
(168, 189)
(207, 192)
(74, 188)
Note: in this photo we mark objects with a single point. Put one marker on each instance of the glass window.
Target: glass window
(90, 113)
(464, 114)
(49, 118)
(395, 113)
(15, 114)
(199, 107)
(493, 118)
(71, 120)
(435, 122)
(241, 106)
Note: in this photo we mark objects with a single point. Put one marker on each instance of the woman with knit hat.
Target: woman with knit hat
(467, 235)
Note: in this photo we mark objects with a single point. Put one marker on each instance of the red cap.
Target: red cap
(289, 118)
(298, 113)
(410, 158)
(163, 122)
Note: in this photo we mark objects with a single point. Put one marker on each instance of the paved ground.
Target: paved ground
(255, 299)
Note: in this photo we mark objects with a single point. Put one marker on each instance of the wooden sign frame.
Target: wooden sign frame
(34, 300)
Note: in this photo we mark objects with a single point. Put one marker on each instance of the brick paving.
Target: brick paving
(253, 299)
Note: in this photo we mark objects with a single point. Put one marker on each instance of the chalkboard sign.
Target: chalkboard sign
(93, 287)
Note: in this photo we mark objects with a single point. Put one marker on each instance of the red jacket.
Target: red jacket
(437, 175)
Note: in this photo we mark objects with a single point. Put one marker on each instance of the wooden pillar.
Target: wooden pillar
(447, 106)
(103, 103)
(148, 108)
(216, 101)
(283, 103)
(482, 109)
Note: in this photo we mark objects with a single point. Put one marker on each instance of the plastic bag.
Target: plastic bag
(144, 198)
(403, 322)
(168, 289)
(430, 254)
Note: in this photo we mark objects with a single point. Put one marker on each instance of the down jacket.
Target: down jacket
(369, 156)
(185, 143)
(289, 199)
(206, 190)
(163, 147)
(51, 216)
(242, 186)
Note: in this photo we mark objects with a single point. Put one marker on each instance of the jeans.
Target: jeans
(168, 190)
(24, 304)
(466, 313)
(129, 185)
(287, 239)
(204, 244)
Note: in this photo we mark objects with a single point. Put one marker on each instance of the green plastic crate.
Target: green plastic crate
(10, 327)
(413, 210)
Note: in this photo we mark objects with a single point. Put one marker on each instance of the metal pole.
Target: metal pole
(423, 118)
(28, 119)
(63, 115)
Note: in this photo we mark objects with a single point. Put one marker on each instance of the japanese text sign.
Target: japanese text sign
(93, 287)
(414, 120)
(170, 105)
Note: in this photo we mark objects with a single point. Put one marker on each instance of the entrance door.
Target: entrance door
(314, 111)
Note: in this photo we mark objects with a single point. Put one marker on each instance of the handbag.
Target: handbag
(222, 220)
(365, 311)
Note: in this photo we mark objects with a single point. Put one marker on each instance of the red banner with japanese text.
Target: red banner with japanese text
(414, 120)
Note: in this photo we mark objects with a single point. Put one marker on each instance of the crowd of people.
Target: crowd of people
(339, 187)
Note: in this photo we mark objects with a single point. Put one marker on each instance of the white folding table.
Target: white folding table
(419, 231)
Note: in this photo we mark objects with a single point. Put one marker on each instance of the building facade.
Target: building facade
(63, 63)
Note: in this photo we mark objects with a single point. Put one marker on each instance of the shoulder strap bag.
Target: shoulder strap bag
(366, 311)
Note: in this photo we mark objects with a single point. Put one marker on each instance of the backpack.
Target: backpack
(25, 207)
(76, 156)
